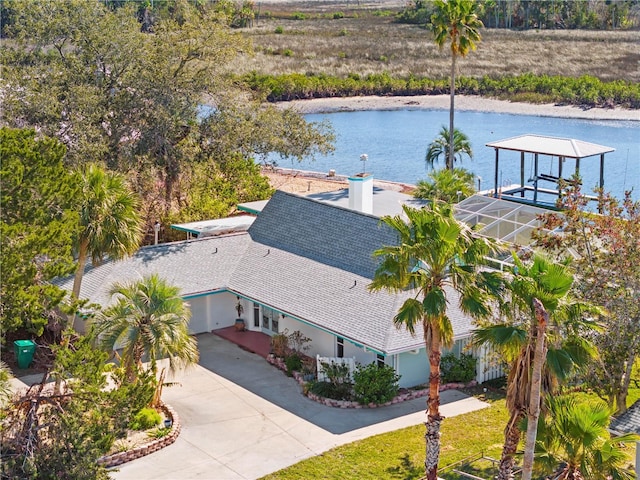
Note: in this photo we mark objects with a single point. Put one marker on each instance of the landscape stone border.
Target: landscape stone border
(148, 448)
(403, 396)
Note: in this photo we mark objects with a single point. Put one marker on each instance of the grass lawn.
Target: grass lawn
(400, 454)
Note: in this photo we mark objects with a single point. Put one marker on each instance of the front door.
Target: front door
(270, 321)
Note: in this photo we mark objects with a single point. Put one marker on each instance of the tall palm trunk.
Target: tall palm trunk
(77, 283)
(512, 436)
(82, 261)
(542, 318)
(452, 94)
(518, 382)
(432, 434)
(75, 294)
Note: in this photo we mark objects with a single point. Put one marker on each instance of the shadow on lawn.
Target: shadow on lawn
(407, 470)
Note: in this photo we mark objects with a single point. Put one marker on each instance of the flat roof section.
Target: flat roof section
(253, 208)
(218, 226)
(556, 146)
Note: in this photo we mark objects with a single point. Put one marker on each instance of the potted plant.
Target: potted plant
(239, 320)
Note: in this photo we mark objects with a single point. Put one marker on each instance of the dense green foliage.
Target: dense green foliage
(38, 222)
(145, 419)
(525, 14)
(293, 363)
(117, 94)
(375, 384)
(585, 90)
(451, 186)
(62, 436)
(608, 265)
(338, 385)
(5, 382)
(574, 442)
(458, 369)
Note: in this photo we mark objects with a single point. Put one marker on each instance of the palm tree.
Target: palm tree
(574, 442)
(435, 253)
(449, 186)
(455, 21)
(149, 317)
(567, 348)
(540, 349)
(440, 147)
(109, 219)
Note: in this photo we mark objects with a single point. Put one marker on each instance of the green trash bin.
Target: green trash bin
(24, 350)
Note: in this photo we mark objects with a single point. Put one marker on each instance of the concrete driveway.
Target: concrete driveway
(242, 419)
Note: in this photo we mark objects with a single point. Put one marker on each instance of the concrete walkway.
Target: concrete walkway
(242, 419)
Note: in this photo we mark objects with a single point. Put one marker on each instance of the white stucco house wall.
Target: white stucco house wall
(303, 264)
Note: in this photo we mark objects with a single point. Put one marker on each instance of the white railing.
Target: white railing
(350, 362)
(489, 368)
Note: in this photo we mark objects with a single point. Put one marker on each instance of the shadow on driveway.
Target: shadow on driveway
(254, 374)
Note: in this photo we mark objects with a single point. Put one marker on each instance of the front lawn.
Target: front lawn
(400, 454)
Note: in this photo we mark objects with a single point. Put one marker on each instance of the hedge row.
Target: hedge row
(585, 90)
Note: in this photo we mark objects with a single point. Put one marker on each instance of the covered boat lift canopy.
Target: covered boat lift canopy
(562, 148)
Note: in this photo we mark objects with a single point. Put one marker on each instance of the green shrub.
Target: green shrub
(375, 384)
(293, 363)
(287, 52)
(339, 379)
(159, 432)
(338, 15)
(454, 369)
(145, 419)
(279, 30)
(298, 16)
(329, 390)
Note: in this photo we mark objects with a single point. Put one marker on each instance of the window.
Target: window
(380, 360)
(339, 347)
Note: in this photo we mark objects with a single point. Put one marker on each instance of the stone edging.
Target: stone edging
(402, 397)
(148, 448)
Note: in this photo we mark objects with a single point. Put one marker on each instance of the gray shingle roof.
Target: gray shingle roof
(327, 234)
(628, 422)
(302, 257)
(195, 266)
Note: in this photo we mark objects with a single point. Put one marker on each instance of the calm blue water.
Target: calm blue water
(396, 142)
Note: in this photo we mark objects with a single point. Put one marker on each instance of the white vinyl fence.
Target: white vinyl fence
(350, 362)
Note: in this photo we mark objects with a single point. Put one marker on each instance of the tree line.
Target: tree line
(541, 14)
(585, 90)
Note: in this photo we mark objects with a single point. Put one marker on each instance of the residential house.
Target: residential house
(304, 264)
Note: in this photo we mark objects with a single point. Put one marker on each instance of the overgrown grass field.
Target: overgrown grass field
(340, 41)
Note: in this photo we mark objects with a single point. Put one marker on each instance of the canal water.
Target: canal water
(396, 141)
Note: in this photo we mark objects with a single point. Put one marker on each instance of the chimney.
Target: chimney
(361, 192)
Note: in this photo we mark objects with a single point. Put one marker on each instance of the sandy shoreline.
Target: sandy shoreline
(462, 103)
